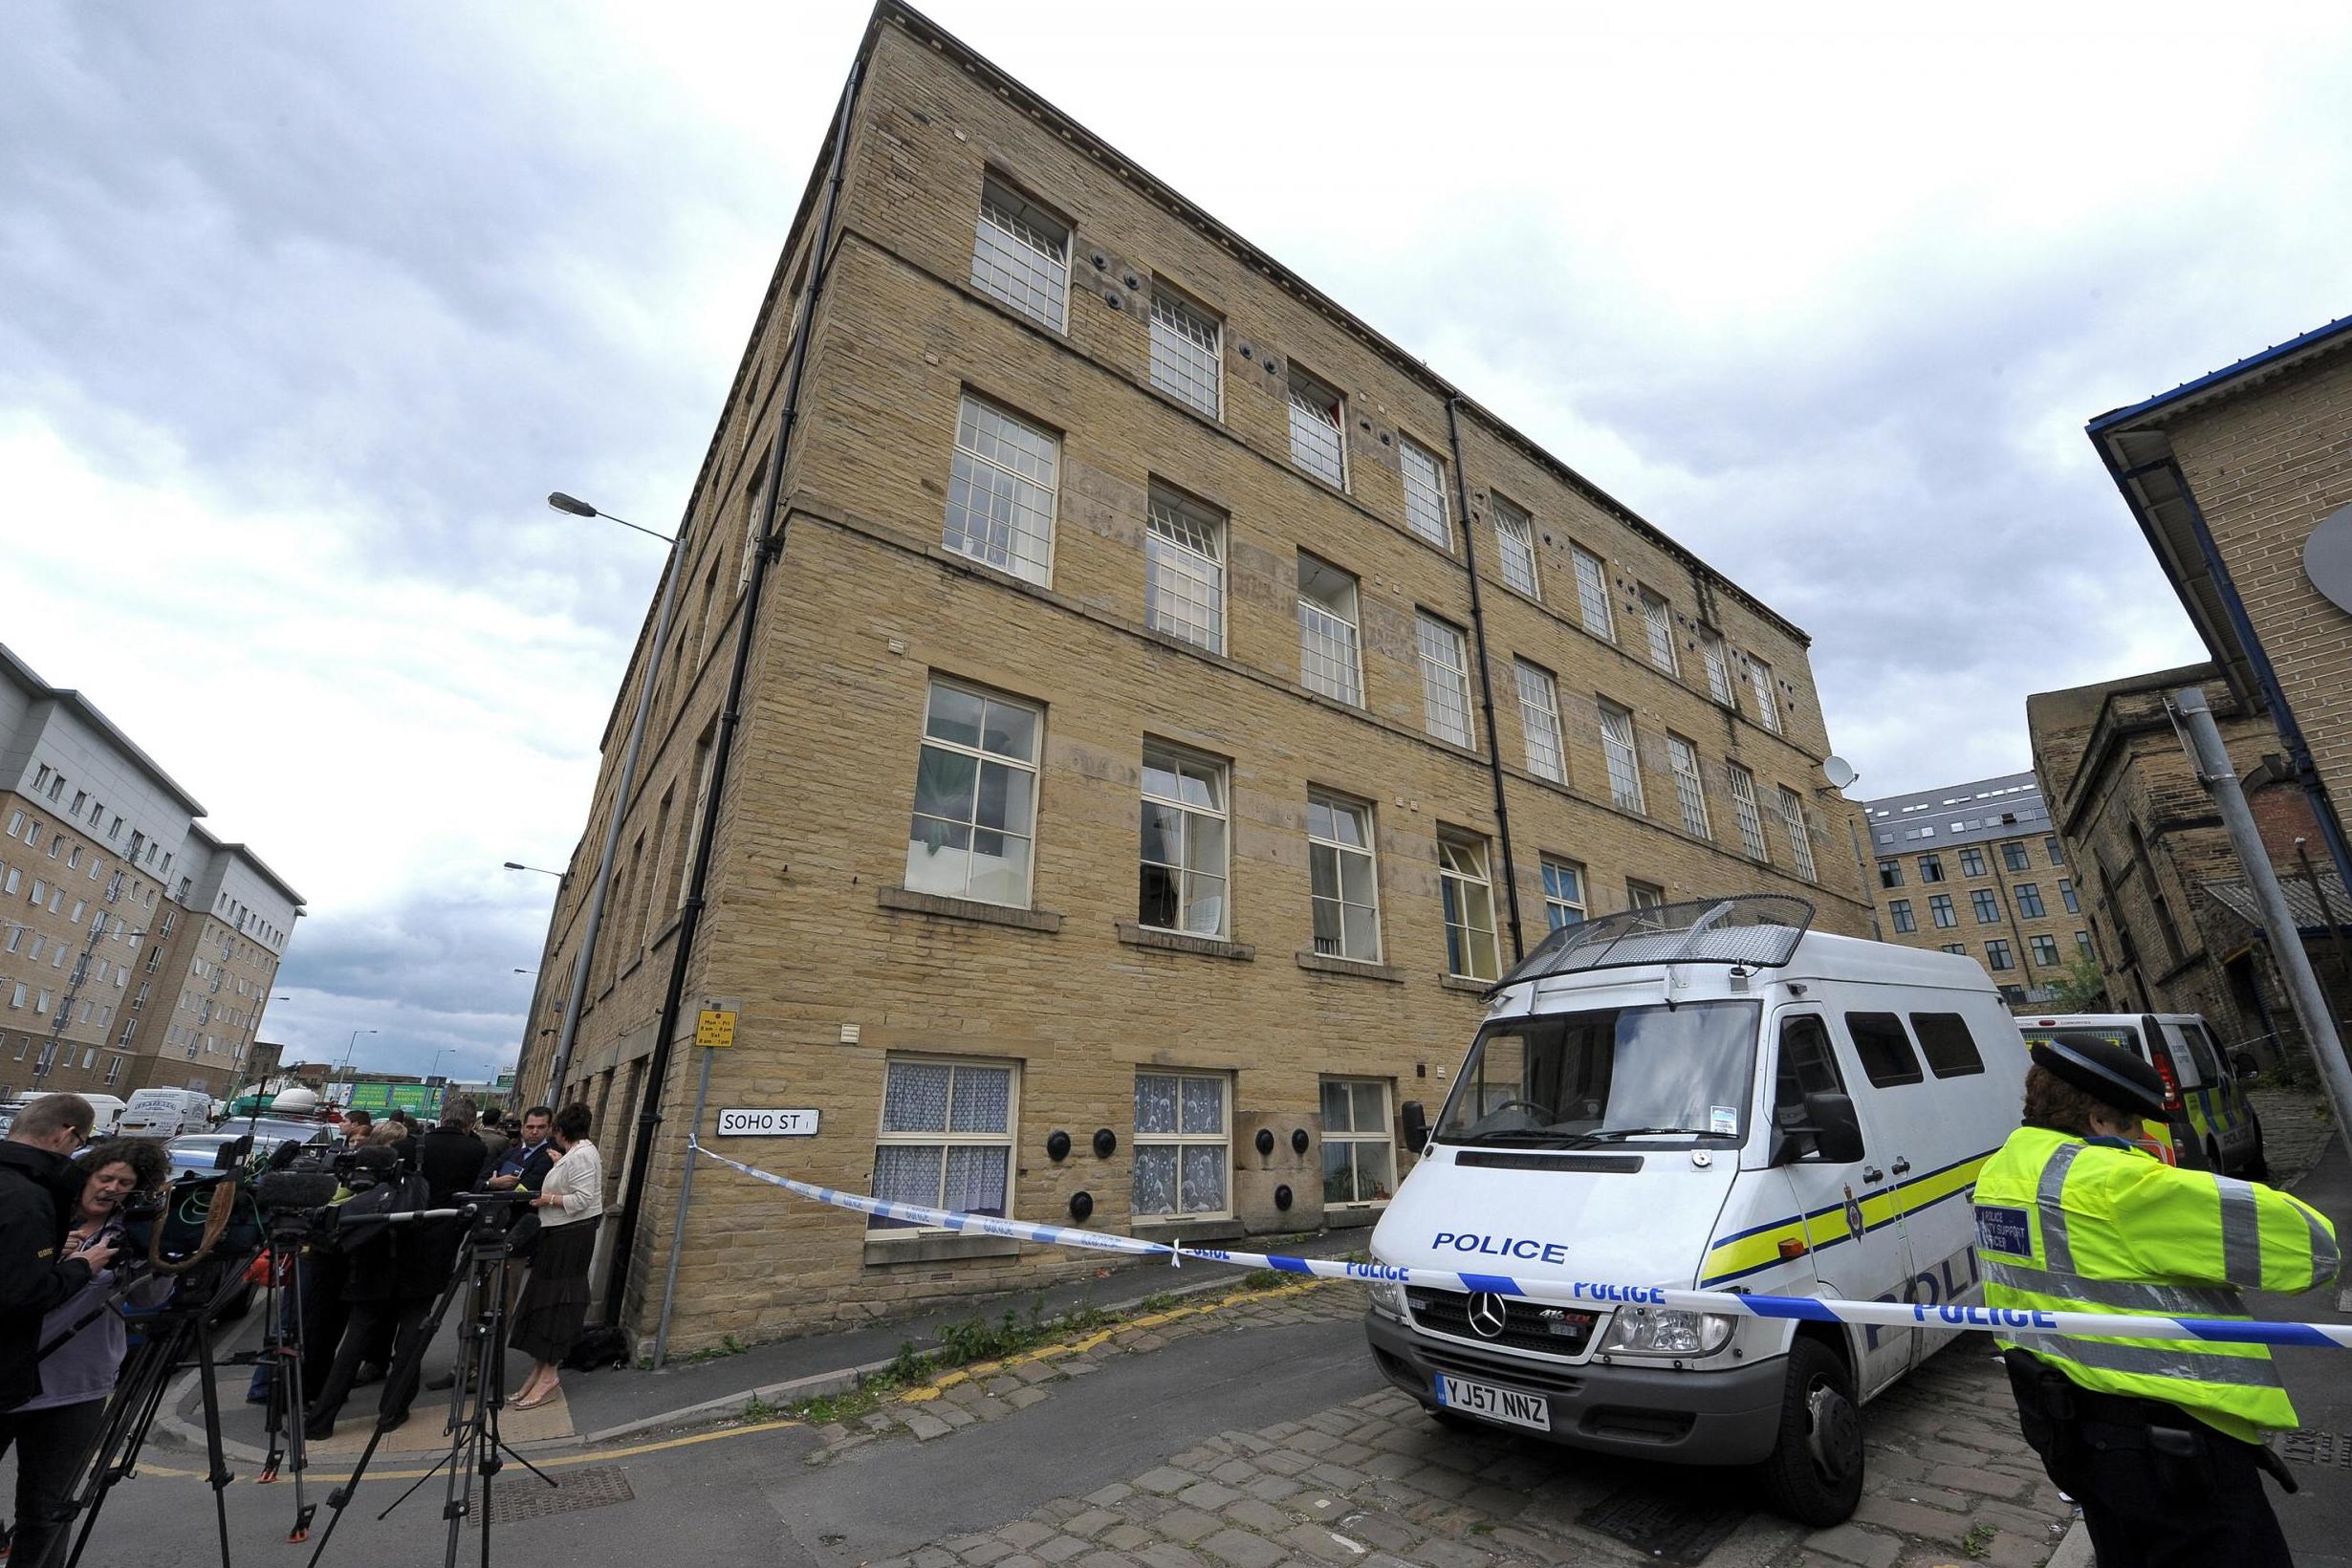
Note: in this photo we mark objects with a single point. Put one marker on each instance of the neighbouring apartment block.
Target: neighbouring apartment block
(1169, 709)
(2174, 924)
(1977, 869)
(136, 948)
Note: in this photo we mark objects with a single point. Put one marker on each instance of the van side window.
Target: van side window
(1807, 1066)
(1887, 1059)
(1943, 1039)
(2200, 1049)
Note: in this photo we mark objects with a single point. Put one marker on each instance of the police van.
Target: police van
(1707, 1096)
(2202, 1091)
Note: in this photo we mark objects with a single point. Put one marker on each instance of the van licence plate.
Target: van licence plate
(1504, 1404)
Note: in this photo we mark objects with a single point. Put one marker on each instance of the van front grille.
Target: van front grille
(1530, 1376)
(1527, 1325)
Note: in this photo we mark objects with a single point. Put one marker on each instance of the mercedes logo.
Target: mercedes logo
(1487, 1315)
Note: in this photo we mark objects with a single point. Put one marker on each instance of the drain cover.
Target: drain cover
(522, 1496)
(2306, 1447)
(1667, 1525)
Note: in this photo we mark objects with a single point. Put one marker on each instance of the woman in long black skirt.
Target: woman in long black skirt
(554, 1303)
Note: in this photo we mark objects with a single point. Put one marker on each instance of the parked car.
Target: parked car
(195, 1152)
(1710, 1097)
(2203, 1094)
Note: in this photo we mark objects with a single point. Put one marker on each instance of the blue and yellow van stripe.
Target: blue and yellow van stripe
(1753, 1250)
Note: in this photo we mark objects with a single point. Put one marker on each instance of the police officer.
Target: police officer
(2159, 1440)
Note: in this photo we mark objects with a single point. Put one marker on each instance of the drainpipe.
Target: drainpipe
(770, 548)
(1486, 678)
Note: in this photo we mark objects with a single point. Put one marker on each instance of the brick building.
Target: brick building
(1977, 869)
(2241, 481)
(1127, 741)
(136, 948)
(2162, 893)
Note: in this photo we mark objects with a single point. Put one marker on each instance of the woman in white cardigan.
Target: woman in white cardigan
(554, 1303)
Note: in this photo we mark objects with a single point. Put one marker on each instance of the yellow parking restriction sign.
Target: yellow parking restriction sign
(714, 1029)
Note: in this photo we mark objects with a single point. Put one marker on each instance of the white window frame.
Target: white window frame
(1016, 257)
(1621, 745)
(1027, 830)
(1658, 625)
(1190, 815)
(1689, 786)
(1175, 528)
(1318, 418)
(1339, 849)
(1319, 644)
(1746, 815)
(1188, 352)
(1353, 1137)
(1547, 753)
(1718, 662)
(979, 470)
(1445, 680)
(1180, 1140)
(1592, 593)
(1426, 512)
(1556, 903)
(1466, 887)
(948, 1138)
(1515, 544)
(1800, 839)
(1760, 682)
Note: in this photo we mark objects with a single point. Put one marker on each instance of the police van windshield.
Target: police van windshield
(1650, 1075)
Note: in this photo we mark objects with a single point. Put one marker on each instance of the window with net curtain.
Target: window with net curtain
(947, 1138)
(1183, 1153)
(1359, 1161)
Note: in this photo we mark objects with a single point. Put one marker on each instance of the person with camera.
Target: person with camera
(53, 1431)
(392, 1272)
(554, 1302)
(40, 1190)
(452, 1158)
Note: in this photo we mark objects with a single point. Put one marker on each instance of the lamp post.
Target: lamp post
(559, 875)
(622, 786)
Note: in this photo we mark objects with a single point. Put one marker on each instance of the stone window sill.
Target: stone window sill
(1476, 988)
(1318, 964)
(940, 1247)
(1208, 1227)
(1177, 942)
(987, 914)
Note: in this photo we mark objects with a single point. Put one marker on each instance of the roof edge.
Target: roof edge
(2308, 343)
(83, 708)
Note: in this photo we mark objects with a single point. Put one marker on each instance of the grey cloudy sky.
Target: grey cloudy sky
(304, 309)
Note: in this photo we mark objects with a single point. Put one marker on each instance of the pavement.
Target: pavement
(2318, 1518)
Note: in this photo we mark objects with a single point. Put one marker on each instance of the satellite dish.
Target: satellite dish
(1839, 771)
(2327, 557)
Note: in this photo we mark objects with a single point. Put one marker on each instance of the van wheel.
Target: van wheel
(1815, 1472)
(2259, 1162)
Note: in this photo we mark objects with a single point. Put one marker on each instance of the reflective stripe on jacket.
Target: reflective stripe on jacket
(2068, 1226)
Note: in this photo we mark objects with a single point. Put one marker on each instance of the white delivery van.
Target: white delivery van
(2201, 1090)
(1706, 1096)
(191, 1109)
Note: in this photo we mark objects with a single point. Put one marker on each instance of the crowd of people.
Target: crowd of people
(69, 1292)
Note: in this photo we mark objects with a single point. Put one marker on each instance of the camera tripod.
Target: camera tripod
(282, 1352)
(477, 1392)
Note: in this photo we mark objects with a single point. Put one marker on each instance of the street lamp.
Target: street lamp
(559, 875)
(581, 508)
(345, 1074)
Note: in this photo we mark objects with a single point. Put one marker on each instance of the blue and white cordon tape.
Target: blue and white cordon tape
(2009, 1321)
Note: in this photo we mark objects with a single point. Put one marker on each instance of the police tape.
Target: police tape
(2008, 1321)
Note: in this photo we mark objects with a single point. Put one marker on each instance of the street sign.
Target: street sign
(748, 1124)
(714, 1029)
(506, 1080)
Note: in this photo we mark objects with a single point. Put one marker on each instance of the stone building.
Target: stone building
(136, 948)
(1977, 869)
(2162, 893)
(1128, 743)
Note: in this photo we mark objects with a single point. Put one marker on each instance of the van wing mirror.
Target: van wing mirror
(1837, 1132)
(2246, 1067)
(1416, 1125)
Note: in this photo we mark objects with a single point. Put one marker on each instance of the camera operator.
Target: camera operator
(391, 1274)
(53, 1431)
(452, 1158)
(39, 1190)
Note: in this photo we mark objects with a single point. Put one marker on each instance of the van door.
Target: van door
(2213, 1103)
(1853, 1225)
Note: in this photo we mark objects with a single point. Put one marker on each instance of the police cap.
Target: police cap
(2108, 1073)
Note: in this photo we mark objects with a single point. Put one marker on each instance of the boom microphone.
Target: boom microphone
(295, 1190)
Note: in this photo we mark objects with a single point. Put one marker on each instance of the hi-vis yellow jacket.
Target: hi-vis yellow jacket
(2063, 1225)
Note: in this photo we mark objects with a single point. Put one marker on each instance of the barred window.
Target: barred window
(1445, 680)
(1800, 839)
(1515, 538)
(1689, 790)
(1468, 896)
(1344, 878)
(1317, 424)
(975, 797)
(1658, 621)
(1181, 1147)
(1186, 363)
(1592, 595)
(1563, 892)
(1767, 704)
(1617, 747)
(1718, 661)
(1183, 570)
(1185, 844)
(1425, 494)
(947, 1138)
(1539, 722)
(1021, 254)
(1000, 494)
(1329, 658)
(1750, 821)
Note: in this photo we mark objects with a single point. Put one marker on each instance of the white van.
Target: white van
(190, 1109)
(1704, 1096)
(108, 1111)
(2202, 1091)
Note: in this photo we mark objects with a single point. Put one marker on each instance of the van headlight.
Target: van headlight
(1663, 1331)
(1388, 1300)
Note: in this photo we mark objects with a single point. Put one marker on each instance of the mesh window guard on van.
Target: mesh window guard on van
(1760, 930)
